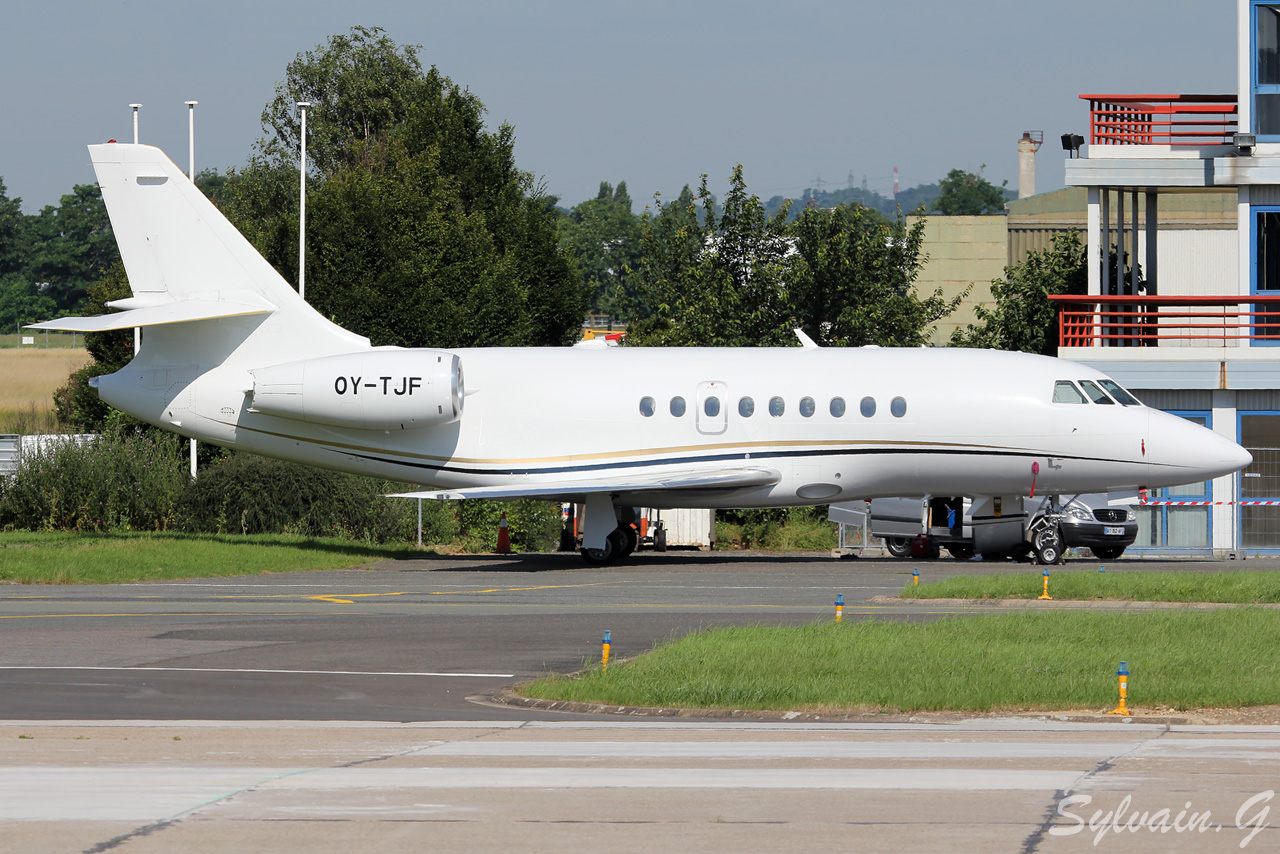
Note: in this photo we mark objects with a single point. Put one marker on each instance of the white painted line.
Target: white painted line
(255, 670)
(947, 779)
(919, 750)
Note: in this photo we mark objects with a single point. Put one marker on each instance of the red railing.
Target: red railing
(1206, 321)
(1161, 119)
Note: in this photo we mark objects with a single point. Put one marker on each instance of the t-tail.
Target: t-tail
(205, 299)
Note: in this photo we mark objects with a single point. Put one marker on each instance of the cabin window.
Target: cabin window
(868, 407)
(677, 406)
(1065, 391)
(646, 406)
(898, 407)
(837, 407)
(807, 407)
(776, 407)
(711, 406)
(1122, 397)
(746, 407)
(1095, 393)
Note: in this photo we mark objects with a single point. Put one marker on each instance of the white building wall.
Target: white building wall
(1193, 262)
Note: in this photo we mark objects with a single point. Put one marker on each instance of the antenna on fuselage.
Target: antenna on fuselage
(805, 341)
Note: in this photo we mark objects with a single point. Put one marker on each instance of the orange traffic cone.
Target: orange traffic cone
(504, 538)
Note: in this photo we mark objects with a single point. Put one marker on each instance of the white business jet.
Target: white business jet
(232, 355)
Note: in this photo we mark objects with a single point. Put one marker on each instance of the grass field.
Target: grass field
(1251, 587)
(1025, 661)
(30, 376)
(74, 558)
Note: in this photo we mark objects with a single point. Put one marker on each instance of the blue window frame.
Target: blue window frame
(1259, 431)
(1264, 272)
(1264, 69)
(1186, 527)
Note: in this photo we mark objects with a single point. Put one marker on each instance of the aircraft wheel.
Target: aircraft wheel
(961, 552)
(898, 546)
(660, 540)
(1108, 553)
(628, 538)
(606, 555)
(1047, 545)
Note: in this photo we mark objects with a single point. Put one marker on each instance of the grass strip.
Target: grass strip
(1021, 661)
(1240, 587)
(113, 558)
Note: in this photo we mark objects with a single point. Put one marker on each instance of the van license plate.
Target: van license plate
(1113, 532)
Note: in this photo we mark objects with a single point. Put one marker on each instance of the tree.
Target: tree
(75, 404)
(21, 302)
(15, 244)
(852, 280)
(422, 230)
(1024, 318)
(604, 237)
(73, 245)
(714, 282)
(964, 193)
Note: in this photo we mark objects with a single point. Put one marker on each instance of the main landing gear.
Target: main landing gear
(618, 545)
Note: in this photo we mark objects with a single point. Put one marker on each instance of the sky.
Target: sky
(655, 94)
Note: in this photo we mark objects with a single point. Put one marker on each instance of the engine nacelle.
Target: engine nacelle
(390, 389)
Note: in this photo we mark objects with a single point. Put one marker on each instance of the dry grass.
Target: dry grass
(30, 377)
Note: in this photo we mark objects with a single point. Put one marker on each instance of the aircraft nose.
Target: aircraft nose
(1192, 452)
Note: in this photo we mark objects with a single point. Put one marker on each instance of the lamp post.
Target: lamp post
(191, 173)
(191, 139)
(137, 331)
(302, 202)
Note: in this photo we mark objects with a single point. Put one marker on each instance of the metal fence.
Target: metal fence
(1260, 500)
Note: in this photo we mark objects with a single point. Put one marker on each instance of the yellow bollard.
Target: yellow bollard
(915, 578)
(1123, 673)
(1045, 594)
(839, 607)
(604, 650)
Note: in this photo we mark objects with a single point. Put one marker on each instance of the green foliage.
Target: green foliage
(604, 236)
(121, 557)
(15, 237)
(76, 405)
(116, 481)
(73, 246)
(1005, 662)
(718, 281)
(852, 282)
(423, 232)
(1253, 587)
(909, 199)
(777, 529)
(964, 193)
(21, 302)
(248, 494)
(741, 278)
(533, 526)
(1024, 318)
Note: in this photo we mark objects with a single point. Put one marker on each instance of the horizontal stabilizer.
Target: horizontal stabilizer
(182, 311)
(715, 480)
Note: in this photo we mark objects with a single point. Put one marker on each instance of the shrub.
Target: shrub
(534, 526)
(248, 494)
(115, 481)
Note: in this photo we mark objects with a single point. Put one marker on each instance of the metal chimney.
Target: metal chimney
(1027, 148)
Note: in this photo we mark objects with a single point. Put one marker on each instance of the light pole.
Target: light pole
(137, 330)
(302, 202)
(191, 139)
(191, 173)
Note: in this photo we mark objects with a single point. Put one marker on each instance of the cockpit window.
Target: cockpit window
(1065, 391)
(1122, 397)
(1097, 394)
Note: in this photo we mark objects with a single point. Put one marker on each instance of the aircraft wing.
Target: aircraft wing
(723, 479)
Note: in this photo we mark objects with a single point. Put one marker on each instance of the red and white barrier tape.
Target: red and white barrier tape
(1207, 503)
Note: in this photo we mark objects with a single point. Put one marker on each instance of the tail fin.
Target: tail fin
(187, 263)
